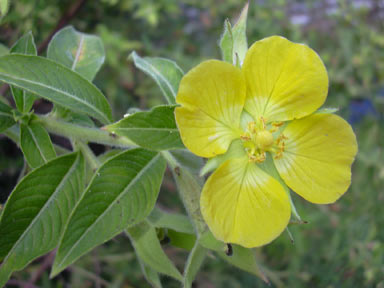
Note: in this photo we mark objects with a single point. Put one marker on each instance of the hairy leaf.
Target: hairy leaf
(154, 130)
(147, 246)
(233, 42)
(23, 99)
(36, 144)
(83, 53)
(122, 193)
(56, 83)
(240, 45)
(226, 42)
(166, 73)
(37, 211)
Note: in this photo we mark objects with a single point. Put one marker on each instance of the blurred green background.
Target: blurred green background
(343, 244)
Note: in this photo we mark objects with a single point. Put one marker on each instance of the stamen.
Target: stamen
(257, 140)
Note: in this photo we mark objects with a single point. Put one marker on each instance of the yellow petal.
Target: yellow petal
(318, 156)
(284, 80)
(212, 96)
(242, 204)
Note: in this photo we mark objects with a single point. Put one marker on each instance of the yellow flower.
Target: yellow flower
(264, 113)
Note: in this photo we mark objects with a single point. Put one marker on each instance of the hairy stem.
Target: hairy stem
(82, 133)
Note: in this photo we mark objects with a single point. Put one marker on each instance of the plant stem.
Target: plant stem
(84, 134)
(88, 154)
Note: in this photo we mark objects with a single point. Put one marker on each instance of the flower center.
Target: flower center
(264, 139)
(258, 139)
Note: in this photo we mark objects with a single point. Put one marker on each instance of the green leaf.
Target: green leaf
(178, 222)
(23, 99)
(83, 53)
(6, 117)
(209, 241)
(194, 262)
(122, 192)
(243, 258)
(36, 144)
(3, 49)
(4, 6)
(147, 246)
(37, 211)
(226, 42)
(240, 45)
(56, 83)
(150, 275)
(188, 160)
(166, 73)
(181, 240)
(189, 187)
(154, 130)
(233, 42)
(179, 228)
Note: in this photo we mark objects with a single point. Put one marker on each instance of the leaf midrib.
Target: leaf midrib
(37, 144)
(159, 75)
(72, 96)
(42, 210)
(127, 188)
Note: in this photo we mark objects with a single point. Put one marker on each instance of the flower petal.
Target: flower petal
(244, 205)
(318, 156)
(284, 80)
(212, 96)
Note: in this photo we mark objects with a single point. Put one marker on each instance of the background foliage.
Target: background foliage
(343, 244)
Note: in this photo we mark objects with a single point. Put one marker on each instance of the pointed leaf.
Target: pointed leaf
(36, 144)
(233, 42)
(243, 258)
(194, 262)
(4, 6)
(189, 187)
(6, 117)
(150, 275)
(226, 42)
(240, 45)
(83, 53)
(166, 73)
(37, 210)
(154, 130)
(122, 192)
(147, 246)
(23, 99)
(56, 83)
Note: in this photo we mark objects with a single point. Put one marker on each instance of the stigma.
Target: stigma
(258, 139)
